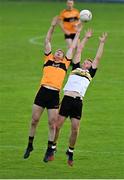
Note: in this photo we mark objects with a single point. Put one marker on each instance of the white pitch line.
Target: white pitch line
(34, 40)
(11, 148)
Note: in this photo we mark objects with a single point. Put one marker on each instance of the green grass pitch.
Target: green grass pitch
(99, 152)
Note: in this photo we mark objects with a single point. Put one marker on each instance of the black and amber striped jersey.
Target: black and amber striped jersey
(89, 75)
(54, 72)
(70, 18)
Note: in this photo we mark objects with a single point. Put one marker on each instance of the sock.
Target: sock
(70, 149)
(30, 141)
(54, 146)
(50, 143)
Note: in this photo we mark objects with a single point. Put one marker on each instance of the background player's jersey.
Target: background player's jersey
(70, 18)
(54, 72)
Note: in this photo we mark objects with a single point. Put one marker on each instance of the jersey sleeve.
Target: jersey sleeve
(48, 56)
(67, 62)
(92, 72)
(74, 66)
(61, 15)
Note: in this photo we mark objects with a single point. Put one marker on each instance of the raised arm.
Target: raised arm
(80, 47)
(70, 51)
(49, 35)
(99, 53)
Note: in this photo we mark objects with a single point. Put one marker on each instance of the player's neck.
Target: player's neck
(57, 60)
(83, 68)
(69, 8)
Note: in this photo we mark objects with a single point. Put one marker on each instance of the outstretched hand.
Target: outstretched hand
(88, 33)
(103, 37)
(55, 21)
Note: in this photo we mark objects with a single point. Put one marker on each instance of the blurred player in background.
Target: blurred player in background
(75, 89)
(69, 19)
(54, 71)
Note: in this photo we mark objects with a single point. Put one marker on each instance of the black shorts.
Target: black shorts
(47, 98)
(70, 36)
(71, 107)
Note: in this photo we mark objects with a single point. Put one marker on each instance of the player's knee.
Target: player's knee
(75, 130)
(52, 124)
(58, 127)
(35, 119)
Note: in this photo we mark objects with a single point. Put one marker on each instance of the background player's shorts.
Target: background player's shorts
(70, 36)
(47, 98)
(71, 107)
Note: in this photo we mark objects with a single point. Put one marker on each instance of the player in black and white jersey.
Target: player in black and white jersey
(75, 89)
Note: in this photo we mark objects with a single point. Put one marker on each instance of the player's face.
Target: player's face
(59, 54)
(86, 64)
(70, 4)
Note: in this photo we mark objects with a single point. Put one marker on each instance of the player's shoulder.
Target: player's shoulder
(48, 55)
(63, 11)
(66, 10)
(76, 10)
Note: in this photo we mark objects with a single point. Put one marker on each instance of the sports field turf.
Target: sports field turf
(99, 150)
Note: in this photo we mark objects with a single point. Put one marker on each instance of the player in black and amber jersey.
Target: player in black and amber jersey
(54, 71)
(69, 18)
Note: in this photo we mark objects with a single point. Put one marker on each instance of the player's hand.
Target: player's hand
(88, 33)
(55, 21)
(103, 37)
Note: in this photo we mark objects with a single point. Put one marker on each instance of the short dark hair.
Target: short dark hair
(70, 0)
(89, 59)
(61, 51)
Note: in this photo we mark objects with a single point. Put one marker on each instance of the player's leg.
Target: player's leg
(52, 118)
(69, 42)
(69, 39)
(38, 107)
(52, 109)
(75, 115)
(60, 121)
(63, 114)
(75, 123)
(36, 113)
